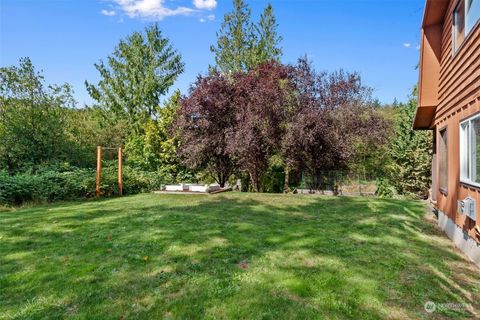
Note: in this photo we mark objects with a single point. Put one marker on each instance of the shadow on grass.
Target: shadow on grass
(231, 256)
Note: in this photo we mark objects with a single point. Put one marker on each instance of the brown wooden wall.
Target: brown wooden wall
(459, 97)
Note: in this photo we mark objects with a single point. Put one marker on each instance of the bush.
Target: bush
(54, 184)
(384, 189)
(17, 189)
(411, 153)
(273, 180)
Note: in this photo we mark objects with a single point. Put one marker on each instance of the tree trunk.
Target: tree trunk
(221, 180)
(287, 180)
(255, 182)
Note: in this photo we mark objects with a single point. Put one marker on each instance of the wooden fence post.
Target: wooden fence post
(99, 170)
(120, 182)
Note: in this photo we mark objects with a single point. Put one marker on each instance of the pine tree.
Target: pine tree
(268, 47)
(235, 40)
(241, 44)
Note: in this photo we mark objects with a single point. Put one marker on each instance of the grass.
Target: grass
(244, 256)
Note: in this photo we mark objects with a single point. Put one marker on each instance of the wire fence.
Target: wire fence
(339, 183)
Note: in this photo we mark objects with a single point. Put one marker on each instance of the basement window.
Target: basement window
(469, 147)
(443, 160)
(465, 17)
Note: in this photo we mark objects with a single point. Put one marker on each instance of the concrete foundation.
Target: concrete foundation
(461, 239)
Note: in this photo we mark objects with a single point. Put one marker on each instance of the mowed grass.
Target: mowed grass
(231, 256)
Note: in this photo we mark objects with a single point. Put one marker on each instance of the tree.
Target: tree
(334, 113)
(243, 45)
(205, 119)
(32, 117)
(411, 153)
(162, 141)
(262, 98)
(170, 163)
(372, 152)
(156, 149)
(138, 73)
(268, 47)
(86, 129)
(236, 40)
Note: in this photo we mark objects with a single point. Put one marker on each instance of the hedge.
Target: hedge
(54, 184)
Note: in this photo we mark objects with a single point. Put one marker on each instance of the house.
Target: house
(449, 104)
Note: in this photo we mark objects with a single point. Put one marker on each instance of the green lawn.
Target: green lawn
(245, 256)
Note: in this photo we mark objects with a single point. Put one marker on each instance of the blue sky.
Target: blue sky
(65, 38)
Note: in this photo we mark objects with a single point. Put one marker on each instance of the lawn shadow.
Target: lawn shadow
(234, 256)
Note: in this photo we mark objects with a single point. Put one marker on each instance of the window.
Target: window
(443, 163)
(469, 135)
(459, 25)
(465, 17)
(472, 15)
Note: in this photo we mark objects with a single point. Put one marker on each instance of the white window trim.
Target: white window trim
(468, 153)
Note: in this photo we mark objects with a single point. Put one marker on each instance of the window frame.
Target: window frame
(456, 48)
(468, 152)
(475, 24)
(466, 35)
(442, 189)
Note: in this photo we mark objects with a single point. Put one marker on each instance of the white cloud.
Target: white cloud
(205, 4)
(417, 47)
(109, 13)
(150, 9)
(210, 17)
(407, 45)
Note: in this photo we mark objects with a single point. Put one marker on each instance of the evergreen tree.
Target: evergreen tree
(268, 47)
(241, 44)
(411, 153)
(139, 72)
(236, 40)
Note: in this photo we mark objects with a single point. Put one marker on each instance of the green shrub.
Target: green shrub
(273, 179)
(65, 183)
(384, 188)
(17, 189)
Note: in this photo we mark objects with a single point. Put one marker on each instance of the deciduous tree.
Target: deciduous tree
(334, 112)
(262, 98)
(32, 117)
(205, 119)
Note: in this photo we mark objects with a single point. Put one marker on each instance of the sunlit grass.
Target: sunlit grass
(248, 256)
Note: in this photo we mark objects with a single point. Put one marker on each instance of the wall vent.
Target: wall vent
(467, 207)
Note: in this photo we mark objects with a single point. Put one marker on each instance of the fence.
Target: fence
(339, 183)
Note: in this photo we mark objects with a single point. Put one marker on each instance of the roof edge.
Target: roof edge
(434, 12)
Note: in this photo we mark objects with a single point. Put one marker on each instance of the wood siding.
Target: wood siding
(459, 98)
